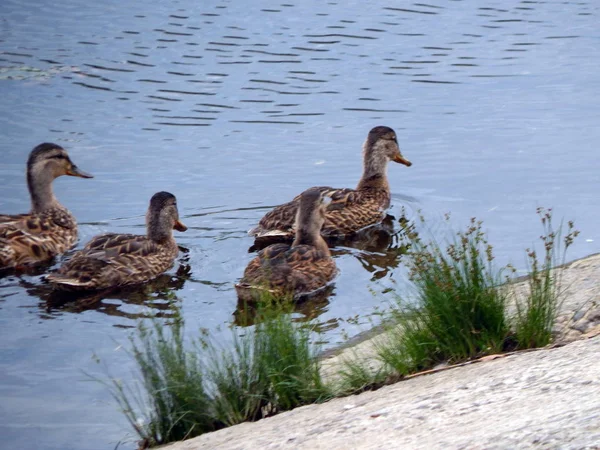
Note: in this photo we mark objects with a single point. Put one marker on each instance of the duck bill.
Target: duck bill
(179, 226)
(75, 171)
(402, 160)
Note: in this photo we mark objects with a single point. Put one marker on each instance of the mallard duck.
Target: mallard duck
(350, 209)
(299, 269)
(49, 229)
(113, 260)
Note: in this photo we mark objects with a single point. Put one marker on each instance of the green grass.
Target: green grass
(536, 315)
(460, 310)
(354, 377)
(269, 369)
(174, 404)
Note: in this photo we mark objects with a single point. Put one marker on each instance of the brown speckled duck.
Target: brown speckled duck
(350, 209)
(295, 270)
(113, 260)
(49, 229)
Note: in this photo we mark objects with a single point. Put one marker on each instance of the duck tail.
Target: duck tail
(58, 279)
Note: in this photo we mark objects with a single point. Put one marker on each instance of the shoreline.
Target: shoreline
(370, 420)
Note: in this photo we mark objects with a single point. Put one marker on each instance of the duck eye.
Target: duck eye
(59, 156)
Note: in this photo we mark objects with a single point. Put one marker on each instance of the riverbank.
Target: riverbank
(545, 398)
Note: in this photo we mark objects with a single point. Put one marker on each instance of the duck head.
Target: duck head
(163, 217)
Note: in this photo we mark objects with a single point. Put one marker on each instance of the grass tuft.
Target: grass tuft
(536, 315)
(270, 369)
(174, 405)
(355, 377)
(459, 310)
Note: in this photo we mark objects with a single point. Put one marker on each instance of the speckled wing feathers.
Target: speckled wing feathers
(31, 238)
(298, 270)
(112, 260)
(349, 211)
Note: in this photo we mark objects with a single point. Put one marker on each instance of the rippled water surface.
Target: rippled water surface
(236, 107)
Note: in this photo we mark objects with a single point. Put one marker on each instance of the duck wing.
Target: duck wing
(31, 238)
(349, 211)
(310, 269)
(113, 260)
(284, 269)
(279, 222)
(352, 210)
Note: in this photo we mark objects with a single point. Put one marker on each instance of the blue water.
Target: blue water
(236, 107)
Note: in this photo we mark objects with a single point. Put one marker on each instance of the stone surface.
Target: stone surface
(544, 399)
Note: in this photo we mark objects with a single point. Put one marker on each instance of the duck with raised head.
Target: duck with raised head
(350, 209)
(49, 229)
(298, 269)
(113, 260)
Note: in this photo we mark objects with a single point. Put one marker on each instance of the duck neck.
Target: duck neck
(158, 230)
(309, 233)
(374, 172)
(304, 237)
(40, 190)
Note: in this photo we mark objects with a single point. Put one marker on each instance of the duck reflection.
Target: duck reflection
(155, 298)
(305, 309)
(379, 248)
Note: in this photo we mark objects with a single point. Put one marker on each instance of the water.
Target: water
(236, 108)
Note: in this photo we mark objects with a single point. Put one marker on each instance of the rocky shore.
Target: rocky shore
(543, 399)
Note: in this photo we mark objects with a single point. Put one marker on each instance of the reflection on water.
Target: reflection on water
(236, 107)
(378, 248)
(156, 298)
(305, 309)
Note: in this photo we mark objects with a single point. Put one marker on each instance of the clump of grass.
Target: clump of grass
(354, 377)
(459, 310)
(535, 316)
(269, 369)
(174, 404)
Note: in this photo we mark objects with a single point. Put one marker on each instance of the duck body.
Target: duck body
(28, 239)
(350, 210)
(113, 260)
(298, 269)
(49, 229)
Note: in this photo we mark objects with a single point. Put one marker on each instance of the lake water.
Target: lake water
(235, 107)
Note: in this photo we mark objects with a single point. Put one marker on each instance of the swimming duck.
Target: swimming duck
(299, 269)
(49, 229)
(113, 260)
(350, 209)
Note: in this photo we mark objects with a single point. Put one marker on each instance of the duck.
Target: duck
(49, 229)
(295, 270)
(350, 210)
(113, 260)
